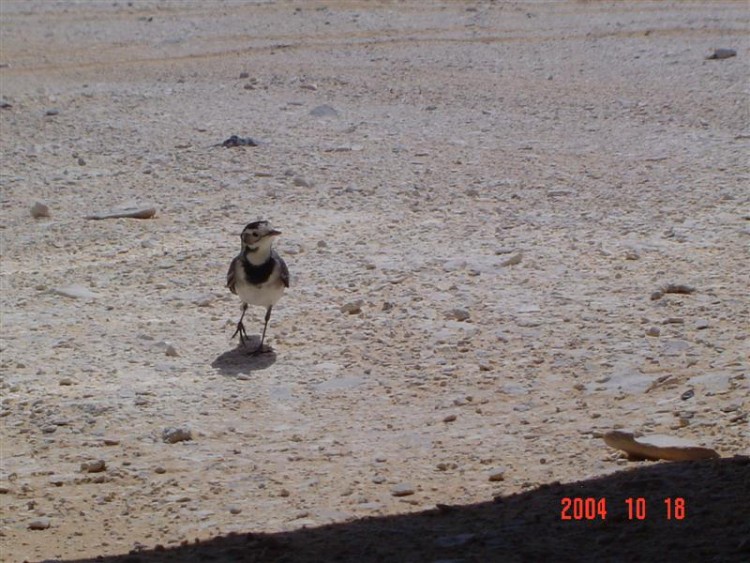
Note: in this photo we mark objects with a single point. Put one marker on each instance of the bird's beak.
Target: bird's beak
(274, 233)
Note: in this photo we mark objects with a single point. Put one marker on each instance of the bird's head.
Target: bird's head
(258, 237)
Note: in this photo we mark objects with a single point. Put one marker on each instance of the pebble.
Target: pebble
(653, 331)
(560, 193)
(39, 210)
(235, 510)
(497, 474)
(458, 314)
(203, 300)
(301, 182)
(174, 435)
(65, 381)
(324, 111)
(237, 141)
(513, 260)
(402, 490)
(40, 524)
(96, 466)
(722, 53)
(632, 255)
(353, 307)
(446, 465)
(453, 265)
(702, 324)
(171, 351)
(244, 75)
(52, 111)
(450, 418)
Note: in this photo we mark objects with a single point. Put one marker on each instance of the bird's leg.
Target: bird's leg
(241, 327)
(259, 349)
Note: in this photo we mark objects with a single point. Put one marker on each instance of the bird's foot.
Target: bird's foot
(261, 350)
(241, 331)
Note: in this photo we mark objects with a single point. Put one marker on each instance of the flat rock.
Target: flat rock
(324, 111)
(678, 288)
(340, 384)
(402, 490)
(625, 379)
(127, 212)
(75, 291)
(658, 446)
(718, 382)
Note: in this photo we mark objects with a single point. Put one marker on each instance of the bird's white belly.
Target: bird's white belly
(263, 295)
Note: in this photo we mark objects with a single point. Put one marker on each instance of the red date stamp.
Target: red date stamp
(636, 508)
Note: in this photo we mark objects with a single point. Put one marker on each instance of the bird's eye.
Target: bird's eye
(255, 233)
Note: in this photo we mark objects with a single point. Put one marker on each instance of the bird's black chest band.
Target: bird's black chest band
(257, 275)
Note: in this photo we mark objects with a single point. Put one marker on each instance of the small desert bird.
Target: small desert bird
(257, 274)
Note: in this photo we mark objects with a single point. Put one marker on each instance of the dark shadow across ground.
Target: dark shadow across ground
(525, 527)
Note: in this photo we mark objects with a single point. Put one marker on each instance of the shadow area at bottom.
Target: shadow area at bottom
(525, 527)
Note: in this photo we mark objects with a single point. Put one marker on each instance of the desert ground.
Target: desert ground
(512, 227)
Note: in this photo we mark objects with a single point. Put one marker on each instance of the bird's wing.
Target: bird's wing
(231, 275)
(284, 274)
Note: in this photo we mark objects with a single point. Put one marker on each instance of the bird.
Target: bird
(258, 275)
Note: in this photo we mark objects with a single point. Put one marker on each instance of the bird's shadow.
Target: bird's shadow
(241, 360)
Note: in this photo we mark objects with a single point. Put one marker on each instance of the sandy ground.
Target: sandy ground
(496, 189)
